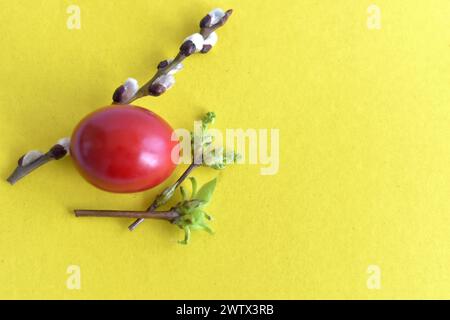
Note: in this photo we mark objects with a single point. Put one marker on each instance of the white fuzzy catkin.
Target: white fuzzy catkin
(31, 157)
(197, 40)
(166, 80)
(216, 15)
(211, 40)
(131, 87)
(175, 69)
(65, 142)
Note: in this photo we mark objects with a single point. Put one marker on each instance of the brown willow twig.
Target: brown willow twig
(152, 87)
(55, 153)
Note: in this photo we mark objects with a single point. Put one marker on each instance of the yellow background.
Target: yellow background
(364, 173)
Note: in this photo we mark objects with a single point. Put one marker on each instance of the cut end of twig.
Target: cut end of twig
(22, 171)
(11, 180)
(135, 224)
(35, 159)
(78, 213)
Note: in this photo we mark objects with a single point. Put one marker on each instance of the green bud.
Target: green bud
(208, 119)
(206, 191)
(194, 187)
(188, 206)
(219, 162)
(183, 193)
(165, 196)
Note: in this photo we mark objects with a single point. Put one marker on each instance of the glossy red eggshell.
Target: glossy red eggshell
(124, 149)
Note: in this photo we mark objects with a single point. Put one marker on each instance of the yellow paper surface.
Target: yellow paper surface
(364, 177)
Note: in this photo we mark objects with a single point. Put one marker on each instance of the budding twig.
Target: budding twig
(22, 171)
(151, 212)
(154, 89)
(161, 199)
(188, 214)
(34, 159)
(201, 42)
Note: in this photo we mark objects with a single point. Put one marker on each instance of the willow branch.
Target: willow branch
(24, 168)
(155, 86)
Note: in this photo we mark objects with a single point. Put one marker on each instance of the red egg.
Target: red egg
(124, 149)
